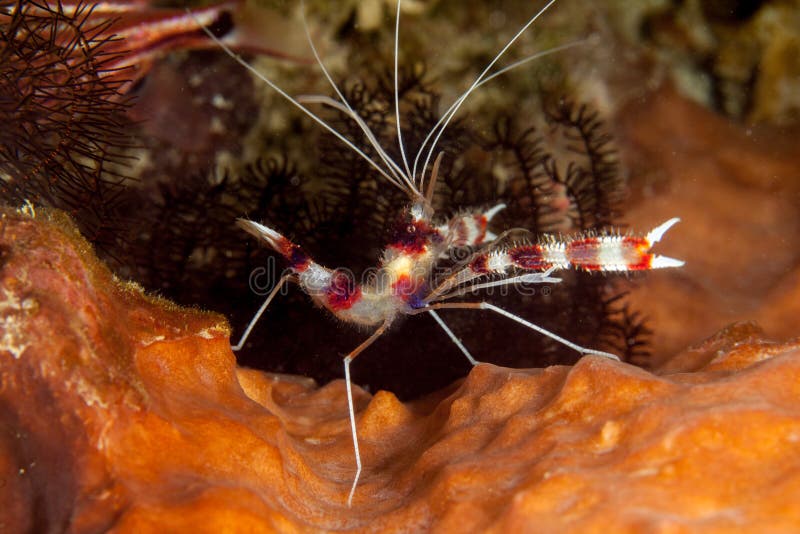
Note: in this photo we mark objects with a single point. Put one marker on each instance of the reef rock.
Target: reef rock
(122, 412)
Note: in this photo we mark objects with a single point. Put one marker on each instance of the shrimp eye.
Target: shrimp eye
(411, 229)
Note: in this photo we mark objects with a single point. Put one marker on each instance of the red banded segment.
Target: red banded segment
(298, 259)
(530, 257)
(342, 292)
(404, 287)
(413, 237)
(468, 230)
(609, 253)
(641, 259)
(471, 228)
(480, 264)
(481, 222)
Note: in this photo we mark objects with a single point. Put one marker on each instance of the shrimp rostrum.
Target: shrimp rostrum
(414, 275)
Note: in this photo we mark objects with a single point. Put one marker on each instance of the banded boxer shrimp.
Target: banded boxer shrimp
(413, 277)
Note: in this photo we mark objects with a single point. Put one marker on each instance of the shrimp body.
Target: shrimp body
(401, 283)
(405, 282)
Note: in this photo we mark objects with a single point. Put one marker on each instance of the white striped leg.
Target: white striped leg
(257, 316)
(516, 318)
(453, 337)
(347, 359)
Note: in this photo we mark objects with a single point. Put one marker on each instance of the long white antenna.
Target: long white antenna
(328, 101)
(393, 167)
(472, 87)
(532, 57)
(494, 75)
(294, 102)
(325, 100)
(397, 92)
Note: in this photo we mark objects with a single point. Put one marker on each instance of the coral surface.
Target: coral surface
(121, 411)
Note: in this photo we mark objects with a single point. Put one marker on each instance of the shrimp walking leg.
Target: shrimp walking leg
(347, 359)
(286, 278)
(453, 337)
(516, 318)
